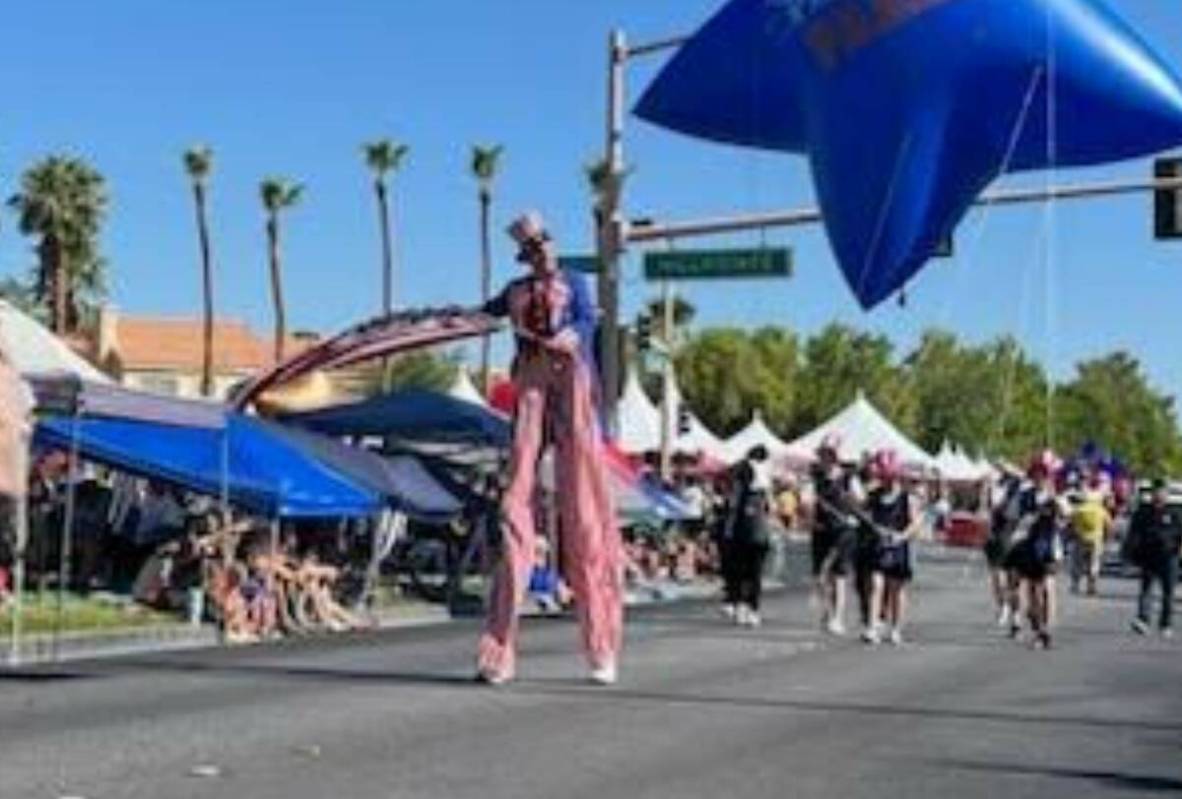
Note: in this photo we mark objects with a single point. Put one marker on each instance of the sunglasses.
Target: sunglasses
(531, 247)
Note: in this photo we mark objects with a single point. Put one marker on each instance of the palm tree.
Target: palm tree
(63, 202)
(277, 194)
(485, 161)
(383, 157)
(198, 163)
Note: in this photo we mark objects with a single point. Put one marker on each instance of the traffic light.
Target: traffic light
(1167, 203)
(683, 421)
(644, 333)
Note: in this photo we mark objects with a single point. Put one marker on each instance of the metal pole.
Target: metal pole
(20, 509)
(666, 381)
(610, 243)
(63, 575)
(809, 216)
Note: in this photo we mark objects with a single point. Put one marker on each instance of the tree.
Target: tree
(384, 157)
(22, 297)
(429, 371)
(726, 374)
(840, 361)
(198, 164)
(277, 195)
(485, 161)
(63, 202)
(1110, 403)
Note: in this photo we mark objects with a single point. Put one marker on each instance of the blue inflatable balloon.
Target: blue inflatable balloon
(908, 109)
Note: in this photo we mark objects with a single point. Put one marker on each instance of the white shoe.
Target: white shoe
(835, 627)
(1003, 618)
(491, 677)
(1139, 627)
(1167, 632)
(605, 674)
(742, 614)
(896, 637)
(728, 611)
(753, 619)
(871, 636)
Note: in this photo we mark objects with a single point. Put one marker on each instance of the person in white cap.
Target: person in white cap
(553, 321)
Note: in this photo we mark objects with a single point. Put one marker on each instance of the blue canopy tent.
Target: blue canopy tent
(413, 415)
(261, 471)
(432, 423)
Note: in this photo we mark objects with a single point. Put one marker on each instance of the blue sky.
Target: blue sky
(292, 88)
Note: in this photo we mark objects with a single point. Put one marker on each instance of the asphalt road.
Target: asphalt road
(703, 710)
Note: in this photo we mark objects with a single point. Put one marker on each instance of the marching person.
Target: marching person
(1155, 538)
(1003, 523)
(892, 510)
(1038, 550)
(553, 372)
(749, 536)
(835, 526)
(1090, 522)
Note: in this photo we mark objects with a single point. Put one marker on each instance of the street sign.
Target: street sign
(715, 264)
(579, 263)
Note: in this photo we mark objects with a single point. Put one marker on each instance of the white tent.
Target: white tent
(756, 433)
(639, 421)
(956, 466)
(36, 351)
(699, 438)
(640, 424)
(863, 429)
(462, 388)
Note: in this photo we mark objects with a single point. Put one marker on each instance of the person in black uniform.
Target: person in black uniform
(1155, 538)
(891, 509)
(749, 536)
(1003, 582)
(834, 532)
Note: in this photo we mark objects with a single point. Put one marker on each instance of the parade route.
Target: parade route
(702, 709)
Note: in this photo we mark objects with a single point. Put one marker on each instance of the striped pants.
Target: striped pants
(554, 395)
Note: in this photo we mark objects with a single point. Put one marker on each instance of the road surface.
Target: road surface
(703, 710)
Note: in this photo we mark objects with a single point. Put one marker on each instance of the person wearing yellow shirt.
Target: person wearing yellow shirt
(1091, 521)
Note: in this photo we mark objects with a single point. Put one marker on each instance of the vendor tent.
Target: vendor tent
(954, 466)
(462, 388)
(640, 424)
(638, 420)
(34, 350)
(262, 470)
(413, 415)
(755, 434)
(862, 430)
(426, 420)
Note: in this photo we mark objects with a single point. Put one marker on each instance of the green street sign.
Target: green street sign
(579, 263)
(714, 264)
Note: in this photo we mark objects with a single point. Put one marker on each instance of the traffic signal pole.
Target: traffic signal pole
(667, 382)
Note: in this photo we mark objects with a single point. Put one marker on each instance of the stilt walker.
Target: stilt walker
(553, 320)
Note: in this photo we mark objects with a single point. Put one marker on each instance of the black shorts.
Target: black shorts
(828, 545)
(995, 552)
(894, 563)
(1024, 560)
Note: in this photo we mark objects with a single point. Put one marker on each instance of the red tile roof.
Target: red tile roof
(143, 343)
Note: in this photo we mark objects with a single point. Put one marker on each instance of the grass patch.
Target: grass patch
(83, 614)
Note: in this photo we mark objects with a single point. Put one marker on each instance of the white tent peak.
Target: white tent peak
(35, 351)
(639, 421)
(462, 388)
(862, 429)
(756, 433)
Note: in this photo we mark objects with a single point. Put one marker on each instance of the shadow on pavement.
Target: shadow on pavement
(1111, 779)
